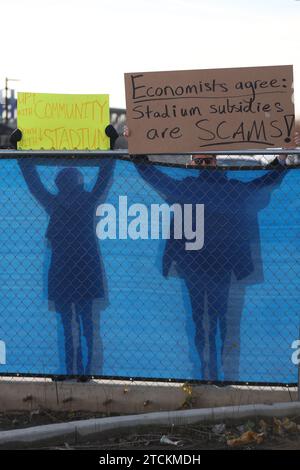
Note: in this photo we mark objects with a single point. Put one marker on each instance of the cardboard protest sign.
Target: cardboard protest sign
(217, 109)
(58, 121)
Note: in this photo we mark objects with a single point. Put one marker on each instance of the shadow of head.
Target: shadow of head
(69, 179)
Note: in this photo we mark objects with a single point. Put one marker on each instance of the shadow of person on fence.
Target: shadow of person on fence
(76, 278)
(230, 232)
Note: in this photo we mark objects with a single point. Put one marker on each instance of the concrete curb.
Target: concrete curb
(80, 431)
(129, 398)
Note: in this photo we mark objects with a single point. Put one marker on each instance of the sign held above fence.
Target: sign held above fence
(63, 122)
(226, 109)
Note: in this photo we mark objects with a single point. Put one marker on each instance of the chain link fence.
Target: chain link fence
(114, 267)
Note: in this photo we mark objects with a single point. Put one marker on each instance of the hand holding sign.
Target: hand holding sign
(141, 158)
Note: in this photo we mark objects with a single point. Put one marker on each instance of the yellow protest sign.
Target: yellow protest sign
(63, 122)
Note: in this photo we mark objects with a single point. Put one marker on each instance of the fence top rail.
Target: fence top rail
(11, 153)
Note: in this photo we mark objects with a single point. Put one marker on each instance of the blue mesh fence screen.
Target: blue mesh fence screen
(135, 306)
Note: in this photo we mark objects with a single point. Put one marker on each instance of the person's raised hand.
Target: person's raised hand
(135, 158)
(126, 132)
(111, 132)
(15, 137)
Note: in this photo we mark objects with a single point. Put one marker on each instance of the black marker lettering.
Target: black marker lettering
(257, 132)
(239, 131)
(198, 125)
(175, 133)
(278, 107)
(134, 87)
(289, 122)
(136, 109)
(218, 131)
(273, 125)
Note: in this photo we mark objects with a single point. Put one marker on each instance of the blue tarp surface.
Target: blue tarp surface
(228, 312)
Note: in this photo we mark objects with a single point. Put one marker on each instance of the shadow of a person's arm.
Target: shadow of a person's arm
(272, 179)
(104, 179)
(34, 183)
(28, 168)
(162, 183)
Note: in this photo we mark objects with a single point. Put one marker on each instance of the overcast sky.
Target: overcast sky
(85, 46)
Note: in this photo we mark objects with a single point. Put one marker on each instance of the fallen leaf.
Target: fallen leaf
(246, 438)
